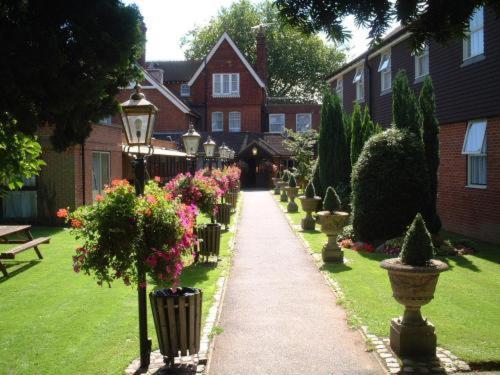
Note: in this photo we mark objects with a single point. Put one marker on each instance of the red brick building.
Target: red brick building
(466, 78)
(231, 104)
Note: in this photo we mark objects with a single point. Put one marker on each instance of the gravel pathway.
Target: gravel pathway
(279, 316)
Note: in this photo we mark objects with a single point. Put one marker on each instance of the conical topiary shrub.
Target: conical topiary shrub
(292, 190)
(417, 249)
(286, 176)
(331, 202)
(292, 182)
(310, 190)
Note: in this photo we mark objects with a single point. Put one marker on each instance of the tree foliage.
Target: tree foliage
(65, 61)
(356, 134)
(19, 155)
(301, 145)
(430, 126)
(405, 111)
(425, 19)
(297, 63)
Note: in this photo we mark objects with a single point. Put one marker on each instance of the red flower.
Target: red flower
(62, 213)
(99, 198)
(75, 223)
(158, 179)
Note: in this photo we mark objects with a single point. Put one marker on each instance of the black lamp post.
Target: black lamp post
(209, 147)
(138, 117)
(191, 141)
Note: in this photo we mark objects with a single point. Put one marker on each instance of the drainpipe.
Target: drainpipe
(83, 173)
(369, 99)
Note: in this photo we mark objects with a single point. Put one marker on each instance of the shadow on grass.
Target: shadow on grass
(16, 267)
(460, 261)
(335, 267)
(197, 272)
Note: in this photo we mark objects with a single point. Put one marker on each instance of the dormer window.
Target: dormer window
(185, 90)
(226, 84)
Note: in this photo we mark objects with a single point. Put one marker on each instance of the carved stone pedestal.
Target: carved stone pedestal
(412, 341)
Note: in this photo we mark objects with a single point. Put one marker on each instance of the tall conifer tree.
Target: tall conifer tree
(356, 134)
(405, 112)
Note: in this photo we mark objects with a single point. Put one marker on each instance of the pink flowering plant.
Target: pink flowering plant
(120, 228)
(233, 174)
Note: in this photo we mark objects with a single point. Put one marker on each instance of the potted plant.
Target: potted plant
(276, 182)
(233, 174)
(292, 191)
(124, 236)
(223, 209)
(413, 276)
(309, 203)
(202, 191)
(284, 184)
(332, 221)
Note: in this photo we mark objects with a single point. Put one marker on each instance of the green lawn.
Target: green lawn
(54, 321)
(465, 309)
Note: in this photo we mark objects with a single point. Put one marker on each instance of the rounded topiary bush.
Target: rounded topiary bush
(389, 185)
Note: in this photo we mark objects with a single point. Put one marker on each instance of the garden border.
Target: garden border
(444, 363)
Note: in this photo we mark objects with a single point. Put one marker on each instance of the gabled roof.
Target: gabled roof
(225, 37)
(176, 71)
(167, 93)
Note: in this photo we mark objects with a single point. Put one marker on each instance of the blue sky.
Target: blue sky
(168, 20)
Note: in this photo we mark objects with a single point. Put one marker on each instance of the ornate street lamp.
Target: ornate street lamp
(224, 152)
(138, 118)
(209, 146)
(191, 141)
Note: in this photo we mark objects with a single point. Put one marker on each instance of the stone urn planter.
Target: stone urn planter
(276, 184)
(291, 193)
(331, 224)
(177, 319)
(282, 185)
(209, 234)
(309, 205)
(413, 287)
(223, 214)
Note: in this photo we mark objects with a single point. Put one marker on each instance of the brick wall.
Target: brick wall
(291, 110)
(469, 211)
(251, 116)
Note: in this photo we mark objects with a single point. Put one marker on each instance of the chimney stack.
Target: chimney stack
(261, 64)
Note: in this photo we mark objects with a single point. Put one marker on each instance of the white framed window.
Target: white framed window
(226, 84)
(106, 120)
(359, 82)
(474, 41)
(422, 63)
(217, 121)
(276, 122)
(234, 121)
(475, 149)
(185, 89)
(339, 89)
(384, 69)
(101, 165)
(303, 122)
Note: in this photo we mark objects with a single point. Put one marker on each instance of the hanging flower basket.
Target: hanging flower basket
(209, 239)
(177, 317)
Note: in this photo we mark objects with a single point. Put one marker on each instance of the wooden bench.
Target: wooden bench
(31, 243)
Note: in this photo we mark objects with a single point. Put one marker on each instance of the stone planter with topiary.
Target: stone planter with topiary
(309, 203)
(283, 185)
(292, 191)
(276, 183)
(413, 278)
(332, 221)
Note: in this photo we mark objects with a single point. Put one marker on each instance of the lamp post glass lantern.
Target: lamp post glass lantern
(138, 118)
(209, 147)
(191, 142)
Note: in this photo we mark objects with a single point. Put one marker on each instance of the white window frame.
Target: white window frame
(475, 32)
(108, 120)
(297, 122)
(424, 57)
(185, 89)
(472, 155)
(100, 184)
(280, 115)
(384, 68)
(233, 129)
(214, 114)
(233, 85)
(358, 80)
(339, 89)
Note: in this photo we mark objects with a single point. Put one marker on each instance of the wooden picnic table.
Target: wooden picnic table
(25, 243)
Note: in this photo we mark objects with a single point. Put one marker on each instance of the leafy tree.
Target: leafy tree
(356, 134)
(19, 155)
(405, 111)
(301, 145)
(65, 61)
(430, 125)
(425, 19)
(417, 249)
(297, 63)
